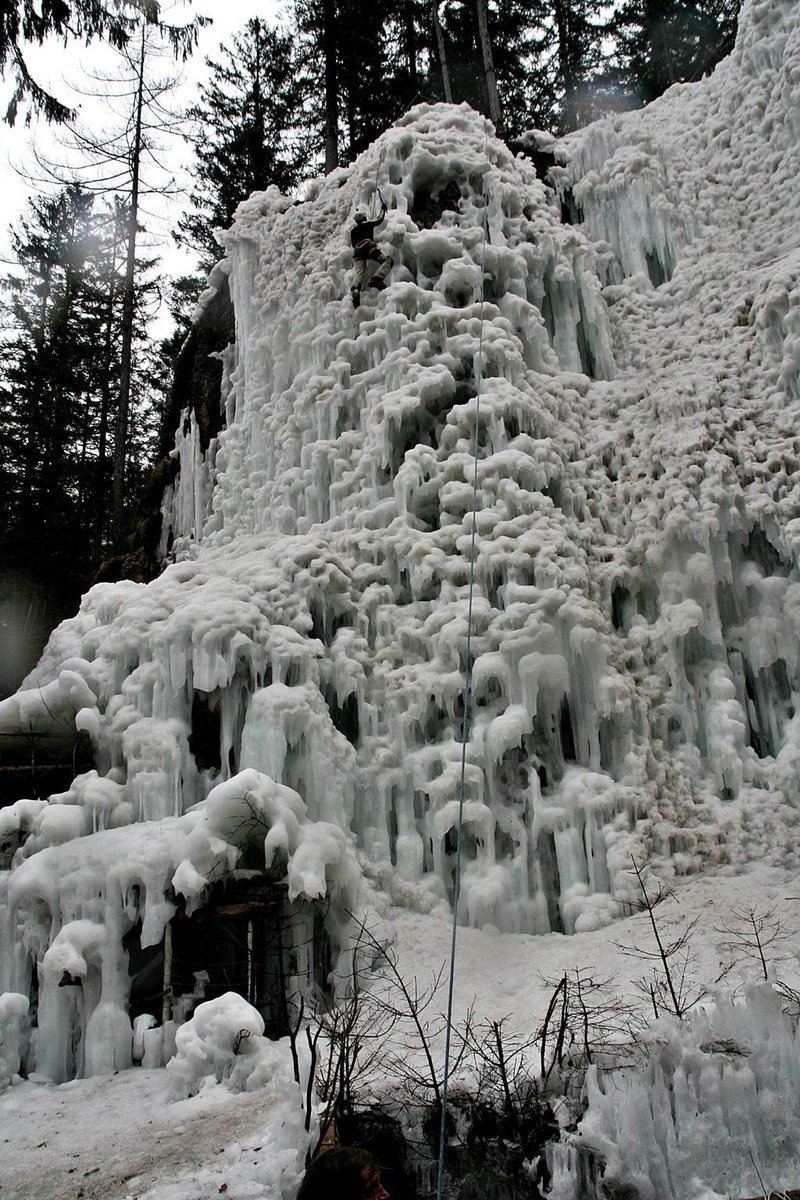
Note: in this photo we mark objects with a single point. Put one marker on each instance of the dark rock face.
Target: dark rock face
(198, 370)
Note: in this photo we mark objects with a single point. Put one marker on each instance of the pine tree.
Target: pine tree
(25, 22)
(671, 41)
(441, 52)
(511, 31)
(243, 132)
(580, 29)
(411, 52)
(51, 387)
(44, 361)
(489, 74)
(58, 370)
(459, 25)
(522, 44)
(124, 160)
(364, 65)
(315, 28)
(364, 74)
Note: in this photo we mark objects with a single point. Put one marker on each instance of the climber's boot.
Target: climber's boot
(356, 295)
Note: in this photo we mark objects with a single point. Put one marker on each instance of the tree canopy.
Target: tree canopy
(30, 22)
(244, 133)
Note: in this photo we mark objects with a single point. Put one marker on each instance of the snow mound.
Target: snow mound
(223, 1042)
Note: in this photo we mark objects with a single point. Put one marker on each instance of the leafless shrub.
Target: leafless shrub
(670, 985)
(349, 1044)
(408, 1005)
(755, 935)
(505, 1119)
(586, 1022)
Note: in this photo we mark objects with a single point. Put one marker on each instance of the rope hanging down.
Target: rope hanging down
(466, 713)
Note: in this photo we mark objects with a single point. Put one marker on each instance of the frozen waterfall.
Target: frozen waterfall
(287, 695)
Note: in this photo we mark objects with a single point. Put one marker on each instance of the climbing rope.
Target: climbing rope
(465, 715)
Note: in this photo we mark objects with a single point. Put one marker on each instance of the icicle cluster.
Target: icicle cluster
(711, 1109)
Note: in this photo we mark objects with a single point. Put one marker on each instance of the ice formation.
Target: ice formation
(289, 692)
(13, 1010)
(707, 1112)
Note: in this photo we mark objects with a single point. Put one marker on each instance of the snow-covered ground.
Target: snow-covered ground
(289, 690)
(120, 1135)
(113, 1137)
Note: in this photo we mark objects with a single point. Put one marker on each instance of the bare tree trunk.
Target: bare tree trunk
(54, 445)
(128, 306)
(329, 42)
(38, 335)
(566, 65)
(102, 481)
(488, 65)
(410, 50)
(448, 90)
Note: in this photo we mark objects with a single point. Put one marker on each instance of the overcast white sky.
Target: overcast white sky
(54, 65)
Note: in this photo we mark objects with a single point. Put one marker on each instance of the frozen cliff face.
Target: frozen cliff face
(636, 580)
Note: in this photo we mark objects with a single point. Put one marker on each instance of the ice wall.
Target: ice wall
(636, 586)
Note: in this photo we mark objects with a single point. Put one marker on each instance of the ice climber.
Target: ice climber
(367, 258)
(347, 1173)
